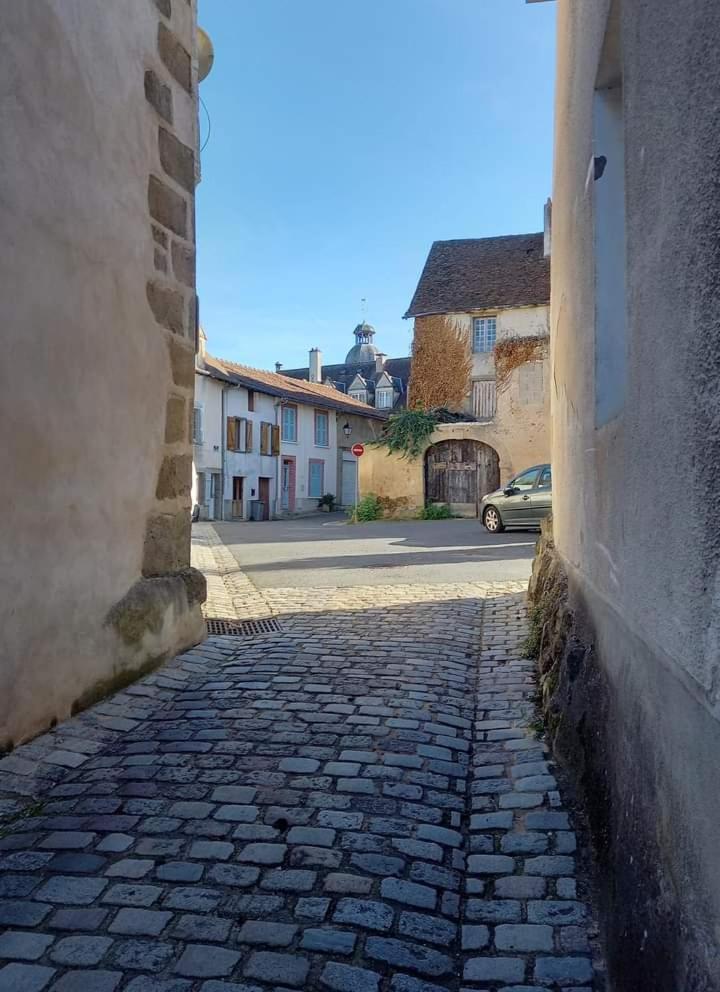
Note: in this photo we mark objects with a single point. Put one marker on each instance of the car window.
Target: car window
(545, 481)
(526, 480)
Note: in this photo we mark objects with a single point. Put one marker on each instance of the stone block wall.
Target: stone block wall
(97, 267)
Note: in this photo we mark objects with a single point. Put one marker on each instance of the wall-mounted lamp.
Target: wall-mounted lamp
(347, 429)
(206, 54)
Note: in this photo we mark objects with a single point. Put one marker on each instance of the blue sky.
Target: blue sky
(347, 136)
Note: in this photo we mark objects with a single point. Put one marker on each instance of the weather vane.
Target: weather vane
(363, 308)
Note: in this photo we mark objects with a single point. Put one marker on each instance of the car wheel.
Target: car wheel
(492, 520)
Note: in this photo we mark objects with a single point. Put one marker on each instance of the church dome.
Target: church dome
(363, 350)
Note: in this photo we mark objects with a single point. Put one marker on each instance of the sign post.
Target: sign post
(358, 450)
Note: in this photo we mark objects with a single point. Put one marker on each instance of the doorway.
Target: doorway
(460, 472)
(287, 484)
(264, 496)
(216, 495)
(349, 479)
(238, 486)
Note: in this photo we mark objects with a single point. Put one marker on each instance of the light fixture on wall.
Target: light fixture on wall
(347, 429)
(206, 54)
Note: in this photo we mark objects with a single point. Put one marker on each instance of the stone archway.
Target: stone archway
(459, 472)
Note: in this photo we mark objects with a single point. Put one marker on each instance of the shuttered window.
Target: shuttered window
(266, 431)
(289, 423)
(322, 430)
(484, 398)
(197, 425)
(275, 441)
(239, 434)
(316, 478)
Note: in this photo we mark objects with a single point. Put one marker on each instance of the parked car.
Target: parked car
(523, 502)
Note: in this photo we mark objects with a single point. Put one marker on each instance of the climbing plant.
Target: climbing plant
(406, 433)
(441, 363)
(511, 353)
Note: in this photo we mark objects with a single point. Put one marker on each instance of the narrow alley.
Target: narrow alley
(355, 801)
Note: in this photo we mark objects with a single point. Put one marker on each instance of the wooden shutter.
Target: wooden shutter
(275, 450)
(248, 435)
(232, 434)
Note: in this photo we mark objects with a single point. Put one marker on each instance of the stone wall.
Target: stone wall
(98, 273)
(634, 682)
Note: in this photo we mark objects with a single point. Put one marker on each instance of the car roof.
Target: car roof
(532, 468)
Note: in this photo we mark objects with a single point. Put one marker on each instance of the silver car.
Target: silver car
(523, 502)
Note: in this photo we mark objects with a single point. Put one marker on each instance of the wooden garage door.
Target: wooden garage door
(460, 472)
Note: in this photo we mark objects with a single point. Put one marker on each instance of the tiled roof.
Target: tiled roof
(483, 273)
(397, 368)
(293, 390)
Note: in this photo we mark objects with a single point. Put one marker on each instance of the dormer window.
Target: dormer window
(384, 398)
(359, 394)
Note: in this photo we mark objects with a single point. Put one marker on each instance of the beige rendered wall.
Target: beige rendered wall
(636, 499)
(97, 272)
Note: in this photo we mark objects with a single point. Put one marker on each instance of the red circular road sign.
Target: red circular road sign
(358, 449)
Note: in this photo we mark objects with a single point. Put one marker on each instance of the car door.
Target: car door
(516, 510)
(541, 496)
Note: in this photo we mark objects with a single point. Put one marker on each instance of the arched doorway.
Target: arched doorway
(460, 472)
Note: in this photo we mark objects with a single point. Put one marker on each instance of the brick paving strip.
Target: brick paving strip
(354, 804)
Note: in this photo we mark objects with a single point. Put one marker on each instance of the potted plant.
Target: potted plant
(326, 503)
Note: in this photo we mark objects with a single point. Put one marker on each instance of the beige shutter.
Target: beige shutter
(275, 440)
(484, 398)
(231, 434)
(248, 435)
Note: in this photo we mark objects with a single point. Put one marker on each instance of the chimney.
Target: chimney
(380, 361)
(315, 365)
(547, 238)
(278, 366)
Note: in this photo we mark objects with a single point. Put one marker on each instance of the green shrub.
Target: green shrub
(436, 511)
(368, 509)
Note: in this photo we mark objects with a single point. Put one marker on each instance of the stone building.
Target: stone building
(366, 375)
(631, 586)
(497, 291)
(97, 262)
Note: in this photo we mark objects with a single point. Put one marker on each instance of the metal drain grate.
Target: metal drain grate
(242, 628)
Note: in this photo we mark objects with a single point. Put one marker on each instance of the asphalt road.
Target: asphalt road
(326, 551)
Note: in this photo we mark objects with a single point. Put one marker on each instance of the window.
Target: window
(484, 398)
(359, 394)
(239, 434)
(289, 423)
(316, 479)
(251, 400)
(545, 481)
(322, 430)
(531, 383)
(340, 386)
(384, 398)
(197, 427)
(266, 433)
(527, 480)
(484, 331)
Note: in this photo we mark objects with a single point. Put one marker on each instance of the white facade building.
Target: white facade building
(263, 438)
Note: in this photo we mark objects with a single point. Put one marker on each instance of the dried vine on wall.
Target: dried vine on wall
(511, 353)
(441, 364)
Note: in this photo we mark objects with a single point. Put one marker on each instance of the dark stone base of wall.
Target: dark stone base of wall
(644, 756)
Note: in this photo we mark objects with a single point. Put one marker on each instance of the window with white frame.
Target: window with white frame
(384, 398)
(316, 478)
(484, 398)
(289, 423)
(197, 425)
(484, 332)
(359, 394)
(322, 430)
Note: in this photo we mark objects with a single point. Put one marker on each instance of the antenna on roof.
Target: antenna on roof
(363, 309)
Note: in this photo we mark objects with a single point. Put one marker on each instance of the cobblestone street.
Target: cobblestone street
(353, 803)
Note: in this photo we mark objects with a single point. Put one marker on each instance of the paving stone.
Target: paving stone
(192, 898)
(179, 871)
(24, 977)
(263, 854)
(494, 970)
(440, 835)
(412, 957)
(130, 868)
(69, 840)
(490, 864)
(433, 929)
(409, 893)
(20, 945)
(299, 765)
(520, 887)
(523, 937)
(289, 880)
(190, 810)
(78, 919)
(73, 891)
(406, 983)
(494, 910)
(142, 955)
(366, 913)
(313, 908)
(140, 922)
(96, 980)
(475, 937)
(378, 864)
(348, 884)
(80, 951)
(123, 894)
(234, 813)
(328, 941)
(241, 795)
(271, 934)
(556, 912)
(550, 865)
(269, 966)
(210, 850)
(346, 978)
(147, 983)
(201, 928)
(563, 970)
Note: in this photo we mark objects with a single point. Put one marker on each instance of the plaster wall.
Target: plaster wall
(304, 449)
(207, 455)
(251, 465)
(87, 371)
(511, 322)
(363, 431)
(636, 500)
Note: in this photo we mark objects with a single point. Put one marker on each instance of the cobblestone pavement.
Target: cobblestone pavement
(355, 804)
